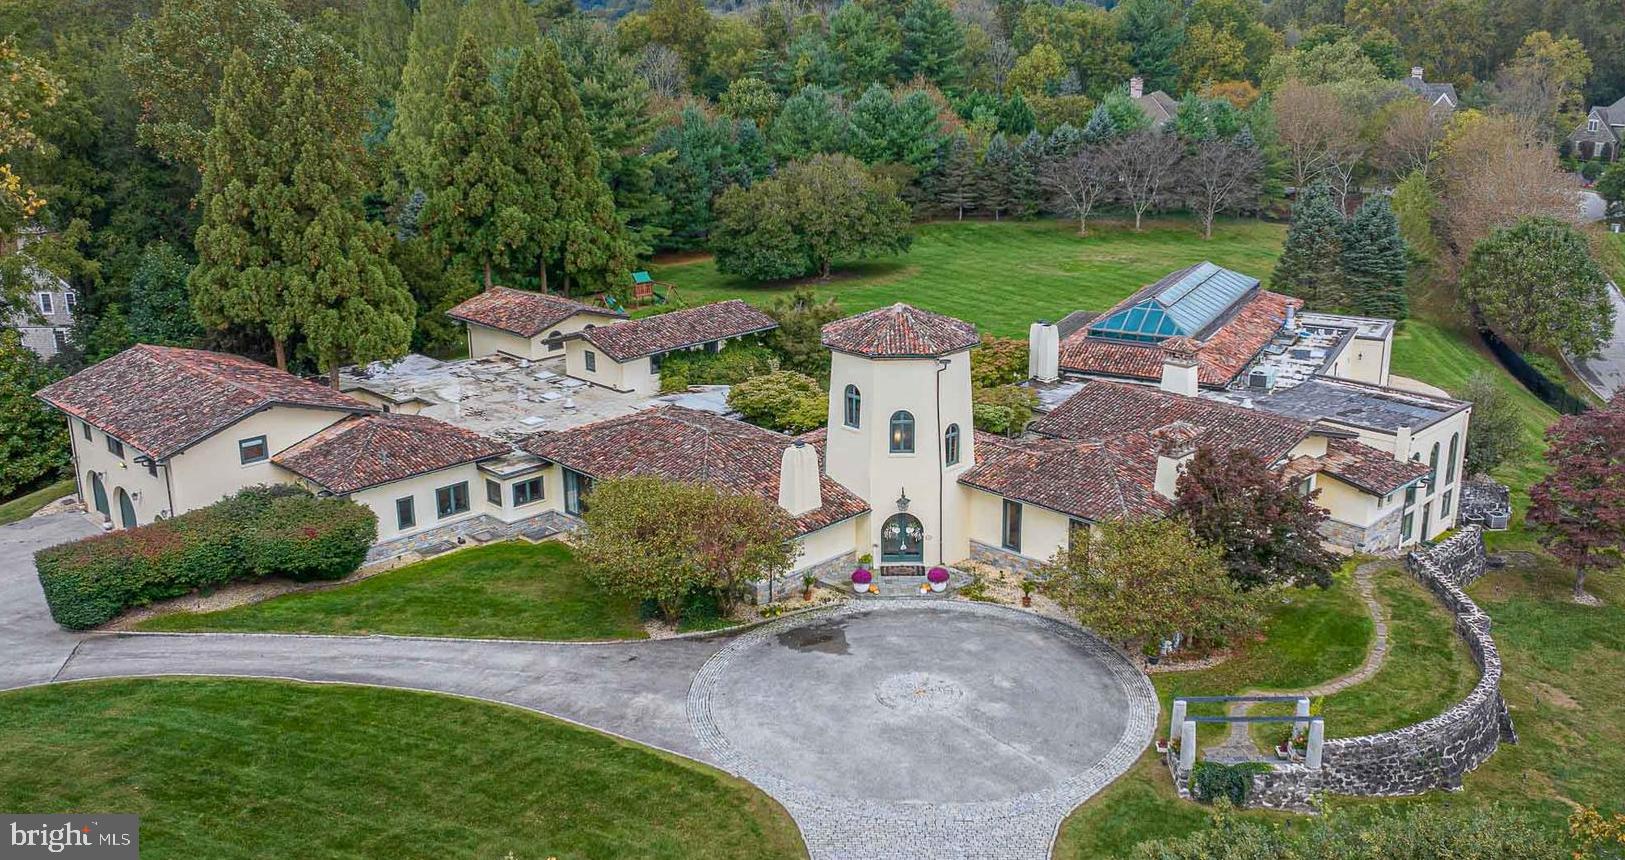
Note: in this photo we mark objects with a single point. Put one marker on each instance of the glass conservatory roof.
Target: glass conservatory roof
(1184, 308)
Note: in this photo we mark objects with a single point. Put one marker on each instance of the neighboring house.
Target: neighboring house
(1158, 106)
(524, 324)
(46, 323)
(1600, 135)
(627, 356)
(1438, 96)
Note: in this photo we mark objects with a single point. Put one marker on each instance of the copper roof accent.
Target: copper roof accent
(364, 451)
(1223, 354)
(1106, 409)
(899, 331)
(1370, 469)
(161, 400)
(679, 329)
(522, 312)
(1094, 480)
(689, 445)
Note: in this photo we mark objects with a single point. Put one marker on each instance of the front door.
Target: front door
(902, 540)
(126, 511)
(98, 495)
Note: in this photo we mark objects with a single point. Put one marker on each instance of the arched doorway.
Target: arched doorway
(126, 510)
(902, 540)
(98, 495)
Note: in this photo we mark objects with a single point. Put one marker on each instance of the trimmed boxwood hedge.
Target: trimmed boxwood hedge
(261, 531)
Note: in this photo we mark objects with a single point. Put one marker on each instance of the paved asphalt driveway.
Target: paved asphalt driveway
(1605, 373)
(888, 729)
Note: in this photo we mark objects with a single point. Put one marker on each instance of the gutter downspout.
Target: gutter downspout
(942, 467)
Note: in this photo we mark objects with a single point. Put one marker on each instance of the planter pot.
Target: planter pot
(1026, 600)
(1162, 746)
(939, 586)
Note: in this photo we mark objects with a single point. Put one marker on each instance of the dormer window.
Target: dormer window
(44, 303)
(1592, 124)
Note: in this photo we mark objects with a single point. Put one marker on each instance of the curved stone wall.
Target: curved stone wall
(1437, 752)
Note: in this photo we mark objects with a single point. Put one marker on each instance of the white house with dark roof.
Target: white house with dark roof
(525, 324)
(45, 322)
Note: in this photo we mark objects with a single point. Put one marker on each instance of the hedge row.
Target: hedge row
(261, 531)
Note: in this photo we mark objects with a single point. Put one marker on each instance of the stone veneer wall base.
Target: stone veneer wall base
(385, 550)
(994, 556)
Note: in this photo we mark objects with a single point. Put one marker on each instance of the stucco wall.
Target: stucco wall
(1435, 753)
(212, 469)
(1365, 360)
(484, 340)
(1421, 444)
(631, 376)
(149, 494)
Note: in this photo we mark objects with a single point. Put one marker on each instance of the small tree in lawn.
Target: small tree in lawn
(1268, 533)
(1374, 261)
(1579, 507)
(1078, 183)
(1536, 282)
(1310, 266)
(1219, 175)
(742, 539)
(782, 400)
(1496, 431)
(1138, 582)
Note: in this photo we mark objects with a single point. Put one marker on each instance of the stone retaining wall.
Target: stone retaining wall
(1435, 753)
(831, 571)
(483, 524)
(1000, 557)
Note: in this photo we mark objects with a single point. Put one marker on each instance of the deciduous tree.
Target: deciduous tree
(1078, 184)
(1269, 533)
(34, 444)
(1144, 164)
(1579, 507)
(1537, 283)
(1218, 176)
(1496, 430)
(783, 400)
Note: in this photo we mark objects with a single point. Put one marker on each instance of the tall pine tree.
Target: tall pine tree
(475, 212)
(350, 301)
(933, 44)
(1311, 262)
(996, 179)
(1374, 261)
(954, 184)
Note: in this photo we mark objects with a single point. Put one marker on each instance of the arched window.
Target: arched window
(950, 445)
(1433, 467)
(854, 406)
(1450, 465)
(555, 341)
(902, 432)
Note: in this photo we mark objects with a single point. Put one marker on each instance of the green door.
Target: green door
(98, 494)
(126, 511)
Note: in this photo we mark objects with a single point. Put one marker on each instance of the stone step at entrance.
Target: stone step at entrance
(892, 585)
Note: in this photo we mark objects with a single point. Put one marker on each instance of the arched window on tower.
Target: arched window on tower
(854, 406)
(1450, 465)
(902, 432)
(950, 445)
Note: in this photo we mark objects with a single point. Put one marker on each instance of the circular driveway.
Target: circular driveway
(977, 711)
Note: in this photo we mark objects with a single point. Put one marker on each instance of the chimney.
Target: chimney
(1416, 72)
(798, 480)
(1402, 443)
(1291, 317)
(1136, 87)
(1179, 367)
(1043, 351)
(1177, 445)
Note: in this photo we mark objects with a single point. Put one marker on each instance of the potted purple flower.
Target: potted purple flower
(938, 577)
(861, 579)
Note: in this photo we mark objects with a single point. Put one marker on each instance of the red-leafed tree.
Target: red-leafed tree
(1579, 507)
(1269, 532)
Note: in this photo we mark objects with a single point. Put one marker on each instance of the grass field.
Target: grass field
(511, 590)
(26, 504)
(1611, 253)
(251, 769)
(1004, 275)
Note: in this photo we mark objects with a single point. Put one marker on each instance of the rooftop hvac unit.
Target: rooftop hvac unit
(1302, 354)
(1262, 378)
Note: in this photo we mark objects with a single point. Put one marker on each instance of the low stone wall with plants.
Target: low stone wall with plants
(1435, 753)
(260, 532)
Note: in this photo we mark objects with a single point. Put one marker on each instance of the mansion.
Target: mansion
(1201, 358)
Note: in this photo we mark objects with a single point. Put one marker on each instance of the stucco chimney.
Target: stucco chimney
(1402, 443)
(1044, 351)
(1176, 445)
(1179, 367)
(1136, 87)
(1416, 72)
(798, 480)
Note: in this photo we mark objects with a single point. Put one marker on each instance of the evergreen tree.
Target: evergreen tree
(954, 185)
(1100, 127)
(473, 212)
(159, 310)
(1016, 117)
(864, 45)
(995, 180)
(916, 132)
(1310, 265)
(349, 300)
(429, 50)
(1374, 261)
(750, 159)
(1027, 162)
(933, 44)
(870, 129)
(1154, 31)
(811, 123)
(691, 171)
(35, 444)
(237, 281)
(1065, 141)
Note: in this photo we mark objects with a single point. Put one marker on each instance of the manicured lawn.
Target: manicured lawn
(1004, 275)
(25, 505)
(511, 590)
(251, 769)
(1611, 254)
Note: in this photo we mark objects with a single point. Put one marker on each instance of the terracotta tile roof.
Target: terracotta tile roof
(522, 312)
(1370, 469)
(679, 329)
(367, 450)
(1095, 480)
(1101, 410)
(899, 331)
(1220, 356)
(160, 400)
(688, 445)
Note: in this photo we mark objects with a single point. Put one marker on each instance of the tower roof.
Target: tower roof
(899, 331)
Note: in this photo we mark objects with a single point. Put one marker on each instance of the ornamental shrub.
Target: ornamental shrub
(1211, 780)
(259, 532)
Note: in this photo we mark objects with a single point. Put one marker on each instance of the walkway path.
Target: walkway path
(1239, 746)
(1604, 373)
(902, 728)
